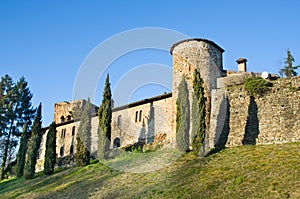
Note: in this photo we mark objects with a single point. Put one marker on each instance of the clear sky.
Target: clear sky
(47, 41)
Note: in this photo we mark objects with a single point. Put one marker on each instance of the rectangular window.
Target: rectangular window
(136, 116)
(140, 118)
(63, 133)
(119, 122)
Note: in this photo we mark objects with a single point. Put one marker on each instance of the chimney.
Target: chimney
(242, 64)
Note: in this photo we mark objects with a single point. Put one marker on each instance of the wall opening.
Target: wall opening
(73, 130)
(61, 151)
(62, 119)
(71, 150)
(68, 117)
(140, 116)
(117, 143)
(119, 122)
(136, 116)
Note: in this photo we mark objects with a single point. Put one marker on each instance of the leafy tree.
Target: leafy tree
(83, 138)
(22, 151)
(15, 110)
(34, 145)
(105, 115)
(182, 116)
(198, 113)
(289, 70)
(50, 154)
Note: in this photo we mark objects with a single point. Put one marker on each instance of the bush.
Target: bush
(257, 86)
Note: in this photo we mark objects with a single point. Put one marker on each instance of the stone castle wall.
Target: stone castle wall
(142, 122)
(270, 119)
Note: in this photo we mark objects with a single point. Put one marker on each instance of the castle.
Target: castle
(233, 118)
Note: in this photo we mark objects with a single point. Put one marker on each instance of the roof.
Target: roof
(197, 39)
(240, 60)
(144, 101)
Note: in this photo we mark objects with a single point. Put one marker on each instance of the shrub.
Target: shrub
(257, 86)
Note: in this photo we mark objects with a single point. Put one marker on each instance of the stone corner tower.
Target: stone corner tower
(191, 54)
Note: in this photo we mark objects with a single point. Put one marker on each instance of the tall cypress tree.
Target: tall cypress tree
(50, 154)
(198, 113)
(83, 138)
(22, 151)
(105, 115)
(34, 145)
(182, 117)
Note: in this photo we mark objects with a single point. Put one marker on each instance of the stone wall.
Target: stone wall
(142, 122)
(270, 119)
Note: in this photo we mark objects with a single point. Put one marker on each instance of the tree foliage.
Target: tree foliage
(199, 113)
(83, 138)
(50, 154)
(15, 110)
(289, 70)
(22, 151)
(34, 145)
(182, 116)
(105, 115)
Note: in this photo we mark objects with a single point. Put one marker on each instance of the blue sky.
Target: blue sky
(47, 41)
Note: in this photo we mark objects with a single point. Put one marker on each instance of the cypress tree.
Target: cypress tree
(50, 154)
(34, 145)
(105, 115)
(22, 151)
(83, 138)
(198, 113)
(182, 116)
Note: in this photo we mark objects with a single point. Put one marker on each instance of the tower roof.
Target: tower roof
(196, 39)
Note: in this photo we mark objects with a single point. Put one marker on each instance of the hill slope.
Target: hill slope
(250, 171)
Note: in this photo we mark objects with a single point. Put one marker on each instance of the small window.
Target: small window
(62, 151)
(119, 122)
(136, 116)
(63, 133)
(69, 117)
(71, 150)
(140, 118)
(62, 119)
(73, 130)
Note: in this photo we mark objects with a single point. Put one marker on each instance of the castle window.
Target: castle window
(69, 117)
(62, 119)
(117, 142)
(63, 133)
(119, 122)
(71, 150)
(140, 117)
(61, 151)
(136, 116)
(73, 130)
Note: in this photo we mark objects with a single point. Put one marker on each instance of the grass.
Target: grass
(270, 171)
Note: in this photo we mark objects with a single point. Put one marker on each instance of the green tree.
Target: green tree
(34, 145)
(50, 154)
(182, 116)
(199, 113)
(83, 138)
(22, 151)
(289, 70)
(105, 115)
(15, 110)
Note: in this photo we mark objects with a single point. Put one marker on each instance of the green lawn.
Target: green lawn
(271, 171)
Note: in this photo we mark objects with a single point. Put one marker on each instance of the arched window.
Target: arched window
(71, 150)
(62, 119)
(63, 133)
(69, 117)
(117, 142)
(73, 130)
(119, 122)
(62, 151)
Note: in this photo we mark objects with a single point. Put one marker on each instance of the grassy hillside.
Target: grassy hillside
(250, 171)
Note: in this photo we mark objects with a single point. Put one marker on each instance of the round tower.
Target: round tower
(188, 55)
